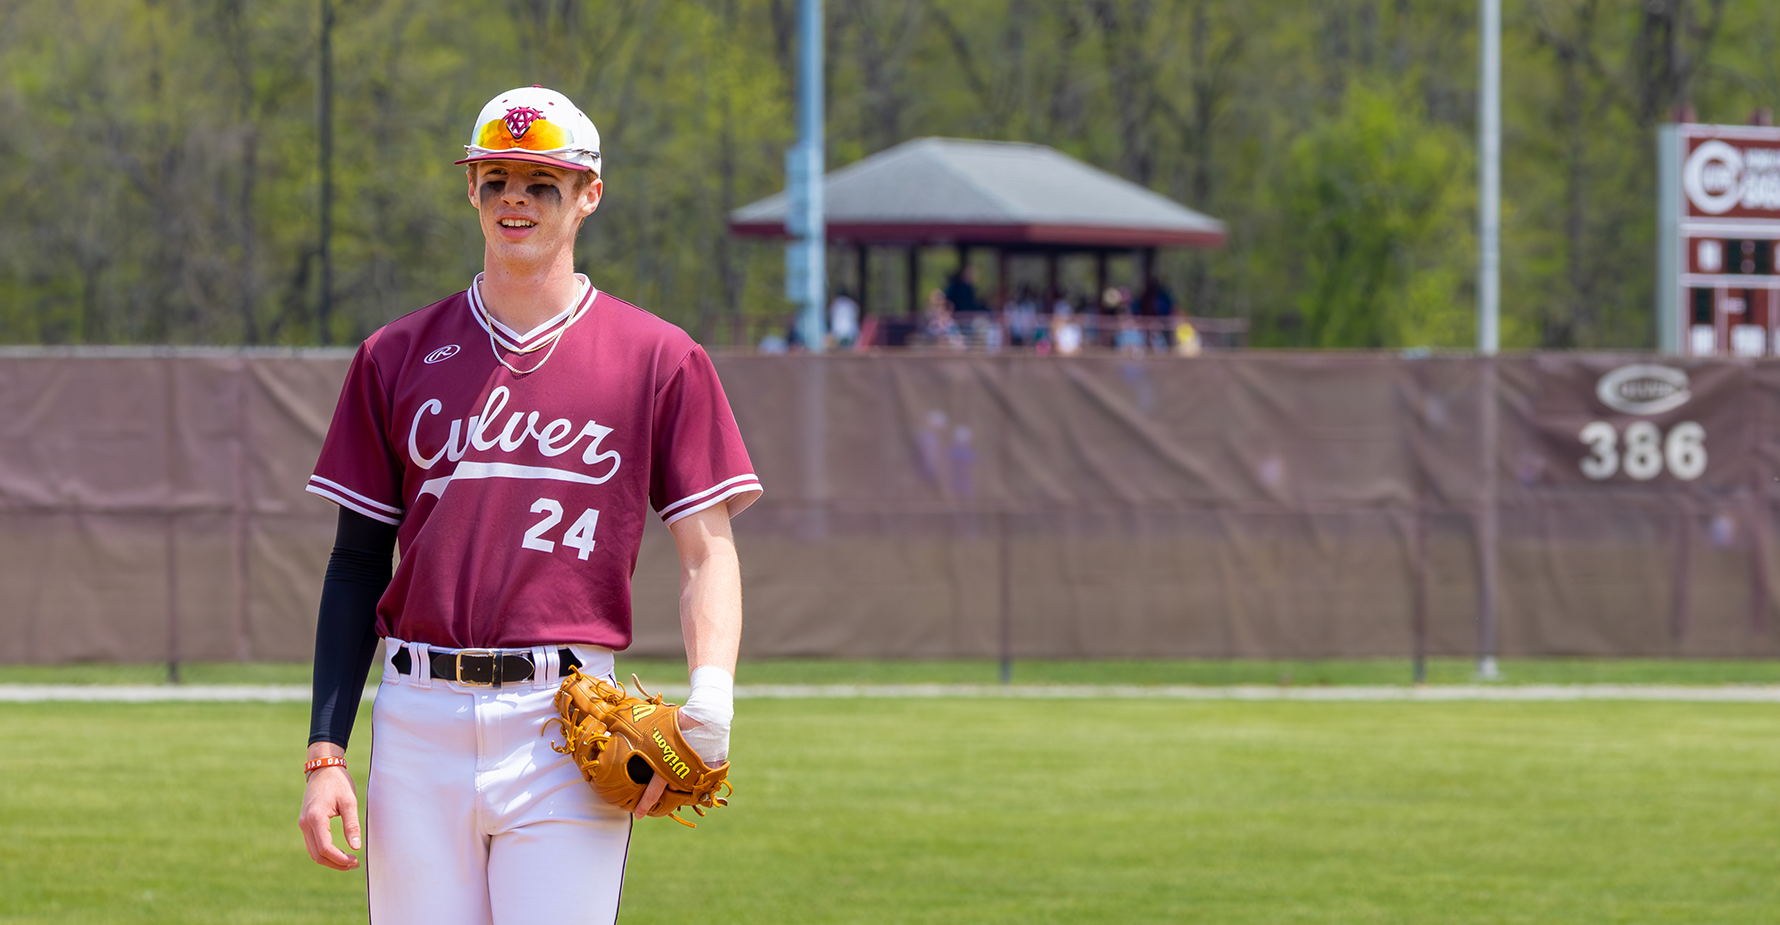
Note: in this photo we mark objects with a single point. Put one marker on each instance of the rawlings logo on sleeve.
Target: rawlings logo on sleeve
(674, 762)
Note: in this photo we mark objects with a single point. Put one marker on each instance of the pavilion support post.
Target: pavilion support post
(963, 264)
(1003, 291)
(864, 279)
(914, 281)
(1099, 275)
(1052, 290)
(1146, 286)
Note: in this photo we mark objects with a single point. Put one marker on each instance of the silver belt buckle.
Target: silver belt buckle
(494, 666)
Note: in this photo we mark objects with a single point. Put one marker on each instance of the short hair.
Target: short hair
(582, 177)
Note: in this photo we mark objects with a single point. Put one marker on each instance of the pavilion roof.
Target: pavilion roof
(960, 191)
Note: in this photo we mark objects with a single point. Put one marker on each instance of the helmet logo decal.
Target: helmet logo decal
(519, 120)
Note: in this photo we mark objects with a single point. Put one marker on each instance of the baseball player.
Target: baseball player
(508, 441)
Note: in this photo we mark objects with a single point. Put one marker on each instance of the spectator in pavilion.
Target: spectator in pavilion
(942, 329)
(1160, 302)
(1128, 337)
(1066, 334)
(1161, 299)
(1022, 319)
(961, 291)
(1186, 341)
(1114, 299)
(843, 320)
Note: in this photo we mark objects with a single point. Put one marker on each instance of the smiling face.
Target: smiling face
(531, 212)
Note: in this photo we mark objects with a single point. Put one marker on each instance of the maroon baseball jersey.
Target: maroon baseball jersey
(519, 499)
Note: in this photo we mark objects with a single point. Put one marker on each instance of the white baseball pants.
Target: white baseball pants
(473, 819)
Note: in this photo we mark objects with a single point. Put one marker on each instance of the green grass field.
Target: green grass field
(985, 671)
(969, 811)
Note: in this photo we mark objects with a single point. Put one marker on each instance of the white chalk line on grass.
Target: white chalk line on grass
(152, 693)
(290, 693)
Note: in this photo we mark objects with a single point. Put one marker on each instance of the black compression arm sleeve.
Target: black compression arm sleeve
(346, 633)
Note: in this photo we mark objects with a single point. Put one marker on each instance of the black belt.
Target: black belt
(483, 667)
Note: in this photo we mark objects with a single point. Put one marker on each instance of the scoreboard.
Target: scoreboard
(1718, 239)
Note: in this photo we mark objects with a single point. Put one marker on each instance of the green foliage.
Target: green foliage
(1374, 200)
(164, 184)
(978, 811)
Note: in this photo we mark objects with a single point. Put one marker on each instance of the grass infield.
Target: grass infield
(956, 811)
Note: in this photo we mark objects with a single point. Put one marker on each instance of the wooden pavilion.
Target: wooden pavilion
(1012, 198)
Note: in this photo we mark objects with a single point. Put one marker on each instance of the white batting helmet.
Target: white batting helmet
(534, 124)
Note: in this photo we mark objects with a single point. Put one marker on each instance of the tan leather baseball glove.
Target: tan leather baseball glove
(621, 742)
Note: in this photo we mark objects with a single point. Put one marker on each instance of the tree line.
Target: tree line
(163, 178)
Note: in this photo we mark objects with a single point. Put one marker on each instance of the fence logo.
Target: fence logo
(443, 353)
(1719, 177)
(1643, 390)
(1640, 450)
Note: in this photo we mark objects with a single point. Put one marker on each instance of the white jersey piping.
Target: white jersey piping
(330, 483)
(697, 496)
(752, 485)
(351, 505)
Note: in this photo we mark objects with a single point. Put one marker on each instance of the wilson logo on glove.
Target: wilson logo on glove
(621, 742)
(670, 757)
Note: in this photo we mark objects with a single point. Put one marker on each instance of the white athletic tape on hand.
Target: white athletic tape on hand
(712, 702)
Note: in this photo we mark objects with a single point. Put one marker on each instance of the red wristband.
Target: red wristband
(310, 767)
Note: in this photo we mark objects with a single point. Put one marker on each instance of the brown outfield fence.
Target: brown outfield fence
(922, 505)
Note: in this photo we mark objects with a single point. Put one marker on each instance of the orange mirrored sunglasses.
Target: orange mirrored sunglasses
(534, 134)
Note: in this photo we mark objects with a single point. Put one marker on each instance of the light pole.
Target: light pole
(1489, 180)
(1489, 278)
(806, 261)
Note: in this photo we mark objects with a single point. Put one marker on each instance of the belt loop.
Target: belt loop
(389, 674)
(543, 667)
(422, 669)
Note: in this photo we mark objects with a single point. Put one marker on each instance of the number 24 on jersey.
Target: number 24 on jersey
(580, 534)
